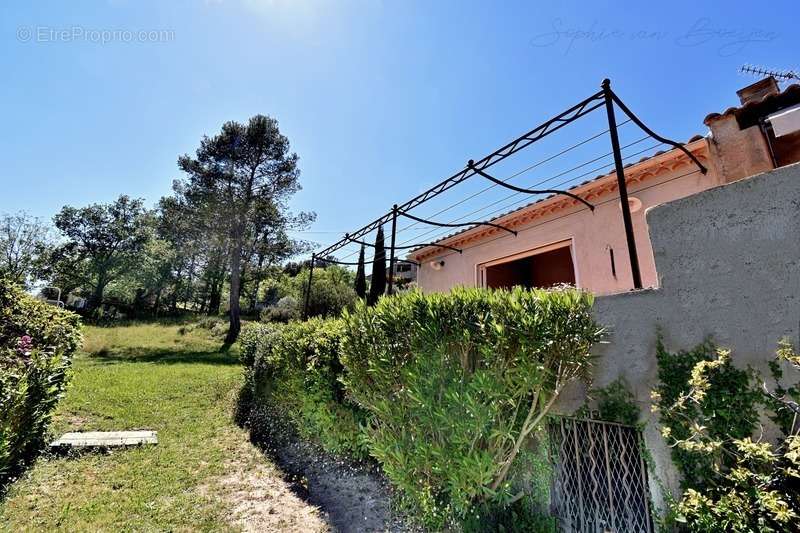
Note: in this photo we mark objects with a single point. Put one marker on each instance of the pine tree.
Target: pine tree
(361, 280)
(378, 285)
(245, 170)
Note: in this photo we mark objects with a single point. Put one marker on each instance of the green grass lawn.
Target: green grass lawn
(140, 376)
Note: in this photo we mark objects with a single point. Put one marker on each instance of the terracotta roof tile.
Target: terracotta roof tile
(766, 105)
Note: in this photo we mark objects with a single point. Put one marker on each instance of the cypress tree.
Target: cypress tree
(378, 285)
(361, 280)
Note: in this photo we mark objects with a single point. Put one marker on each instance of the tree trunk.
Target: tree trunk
(214, 298)
(158, 300)
(236, 278)
(176, 289)
(257, 281)
(97, 295)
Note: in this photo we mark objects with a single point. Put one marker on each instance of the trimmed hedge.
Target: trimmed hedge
(295, 368)
(444, 390)
(456, 382)
(37, 341)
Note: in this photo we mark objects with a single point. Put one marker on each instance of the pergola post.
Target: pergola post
(623, 188)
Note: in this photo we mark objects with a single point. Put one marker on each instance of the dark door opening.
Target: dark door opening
(540, 270)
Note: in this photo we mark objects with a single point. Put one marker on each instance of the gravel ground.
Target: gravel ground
(352, 497)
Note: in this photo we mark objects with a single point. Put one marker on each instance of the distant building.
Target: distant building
(404, 273)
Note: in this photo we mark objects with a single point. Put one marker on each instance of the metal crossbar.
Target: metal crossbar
(458, 224)
(354, 263)
(539, 132)
(502, 183)
(406, 247)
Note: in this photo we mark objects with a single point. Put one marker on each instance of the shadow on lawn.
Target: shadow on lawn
(353, 495)
(163, 356)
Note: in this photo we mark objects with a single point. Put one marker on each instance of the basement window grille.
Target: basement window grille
(599, 477)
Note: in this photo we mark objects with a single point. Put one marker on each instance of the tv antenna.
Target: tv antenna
(781, 75)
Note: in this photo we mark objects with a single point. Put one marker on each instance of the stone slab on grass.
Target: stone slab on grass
(105, 439)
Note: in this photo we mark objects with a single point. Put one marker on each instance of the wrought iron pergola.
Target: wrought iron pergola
(604, 98)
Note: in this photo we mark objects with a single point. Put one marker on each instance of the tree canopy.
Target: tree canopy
(102, 242)
(218, 243)
(238, 183)
(24, 245)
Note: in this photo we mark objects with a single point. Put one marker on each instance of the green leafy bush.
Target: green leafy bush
(331, 291)
(284, 310)
(520, 516)
(730, 406)
(456, 382)
(613, 403)
(295, 368)
(529, 509)
(616, 403)
(37, 341)
(749, 485)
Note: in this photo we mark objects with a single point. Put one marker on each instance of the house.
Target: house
(404, 273)
(559, 240)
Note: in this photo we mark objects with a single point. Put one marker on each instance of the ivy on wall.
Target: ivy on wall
(615, 403)
(729, 406)
(736, 478)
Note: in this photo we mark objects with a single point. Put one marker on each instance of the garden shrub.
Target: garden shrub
(614, 403)
(456, 382)
(730, 406)
(37, 341)
(284, 310)
(332, 291)
(533, 473)
(747, 484)
(520, 516)
(295, 368)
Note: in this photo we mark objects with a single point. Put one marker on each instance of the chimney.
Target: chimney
(758, 90)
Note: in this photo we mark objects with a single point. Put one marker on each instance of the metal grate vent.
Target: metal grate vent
(600, 479)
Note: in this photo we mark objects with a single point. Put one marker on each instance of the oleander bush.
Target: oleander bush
(445, 391)
(455, 383)
(37, 341)
(295, 369)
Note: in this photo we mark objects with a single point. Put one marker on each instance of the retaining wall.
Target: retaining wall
(728, 261)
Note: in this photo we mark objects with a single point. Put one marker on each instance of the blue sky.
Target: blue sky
(379, 99)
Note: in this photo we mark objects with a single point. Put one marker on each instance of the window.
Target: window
(546, 267)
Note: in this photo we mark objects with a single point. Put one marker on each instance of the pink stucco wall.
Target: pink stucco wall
(591, 235)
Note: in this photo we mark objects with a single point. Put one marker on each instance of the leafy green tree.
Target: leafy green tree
(177, 226)
(103, 243)
(268, 244)
(24, 243)
(361, 280)
(147, 286)
(378, 284)
(235, 175)
(331, 292)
